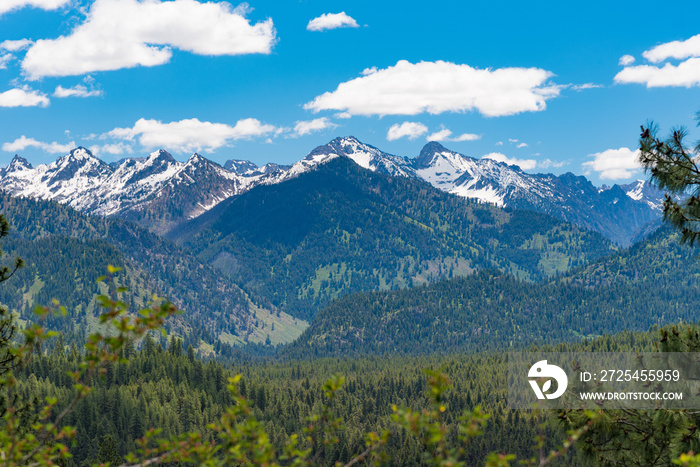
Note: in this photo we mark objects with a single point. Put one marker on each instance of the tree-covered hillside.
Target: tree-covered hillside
(341, 229)
(656, 282)
(65, 252)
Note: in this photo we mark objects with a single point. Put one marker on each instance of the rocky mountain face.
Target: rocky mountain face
(161, 193)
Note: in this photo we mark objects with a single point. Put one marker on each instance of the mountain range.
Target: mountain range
(341, 228)
(162, 194)
(350, 239)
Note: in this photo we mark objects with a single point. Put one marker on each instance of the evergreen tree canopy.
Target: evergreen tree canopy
(674, 167)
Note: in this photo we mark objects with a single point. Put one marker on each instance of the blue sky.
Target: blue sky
(545, 86)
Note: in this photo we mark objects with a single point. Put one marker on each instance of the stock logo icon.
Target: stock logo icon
(542, 370)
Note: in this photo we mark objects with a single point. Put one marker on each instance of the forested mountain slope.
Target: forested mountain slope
(341, 228)
(655, 282)
(65, 251)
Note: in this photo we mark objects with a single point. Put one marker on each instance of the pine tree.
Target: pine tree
(108, 452)
(673, 167)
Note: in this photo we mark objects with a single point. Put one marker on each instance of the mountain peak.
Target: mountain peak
(161, 155)
(343, 146)
(18, 163)
(347, 140)
(196, 158)
(80, 153)
(432, 146)
(239, 167)
(427, 154)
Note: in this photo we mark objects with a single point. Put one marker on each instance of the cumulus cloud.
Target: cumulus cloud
(15, 46)
(675, 49)
(410, 130)
(524, 164)
(441, 135)
(446, 135)
(128, 33)
(613, 164)
(466, 137)
(115, 149)
(23, 97)
(190, 134)
(626, 60)
(9, 5)
(22, 143)
(436, 87)
(303, 128)
(684, 74)
(521, 145)
(77, 91)
(331, 21)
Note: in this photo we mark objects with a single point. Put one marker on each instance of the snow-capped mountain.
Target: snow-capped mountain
(612, 212)
(157, 191)
(160, 192)
(643, 191)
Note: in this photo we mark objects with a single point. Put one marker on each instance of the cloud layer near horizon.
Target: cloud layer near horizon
(190, 134)
(613, 164)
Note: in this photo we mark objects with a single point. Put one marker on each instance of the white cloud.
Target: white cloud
(626, 60)
(684, 74)
(23, 97)
(466, 137)
(76, 91)
(190, 134)
(412, 130)
(437, 87)
(500, 143)
(547, 163)
(306, 127)
(446, 135)
(676, 49)
(511, 140)
(4, 60)
(21, 143)
(613, 164)
(441, 135)
(524, 164)
(584, 86)
(128, 33)
(9, 5)
(15, 46)
(369, 71)
(113, 149)
(521, 145)
(331, 21)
